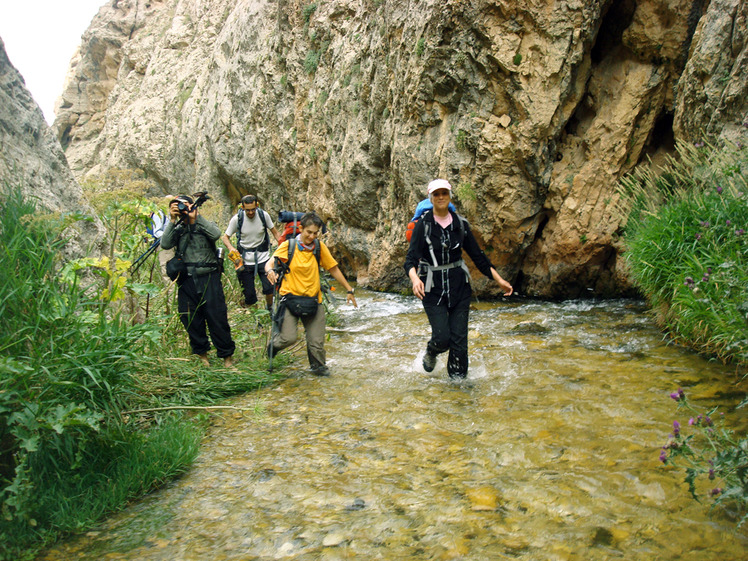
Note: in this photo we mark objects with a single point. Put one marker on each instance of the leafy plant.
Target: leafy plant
(714, 458)
(91, 406)
(465, 192)
(461, 140)
(420, 47)
(307, 11)
(688, 247)
(311, 62)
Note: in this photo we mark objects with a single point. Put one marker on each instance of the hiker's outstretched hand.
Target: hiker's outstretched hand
(418, 288)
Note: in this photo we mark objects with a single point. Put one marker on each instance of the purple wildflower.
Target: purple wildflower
(716, 491)
(677, 396)
(698, 144)
(719, 190)
(676, 429)
(691, 422)
(739, 232)
(663, 456)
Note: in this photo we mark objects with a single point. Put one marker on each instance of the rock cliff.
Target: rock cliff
(32, 160)
(533, 110)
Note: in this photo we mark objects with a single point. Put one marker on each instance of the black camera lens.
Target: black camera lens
(183, 207)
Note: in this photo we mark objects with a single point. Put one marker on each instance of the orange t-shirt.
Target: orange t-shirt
(303, 278)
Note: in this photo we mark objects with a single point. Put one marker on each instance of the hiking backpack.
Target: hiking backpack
(264, 244)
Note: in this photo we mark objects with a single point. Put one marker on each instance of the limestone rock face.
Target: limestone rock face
(713, 94)
(31, 157)
(532, 111)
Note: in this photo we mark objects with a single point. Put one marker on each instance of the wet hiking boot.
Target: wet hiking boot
(429, 362)
(320, 370)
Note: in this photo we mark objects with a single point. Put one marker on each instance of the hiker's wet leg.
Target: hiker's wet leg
(457, 363)
(314, 328)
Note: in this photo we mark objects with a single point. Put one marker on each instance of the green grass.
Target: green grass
(687, 238)
(96, 409)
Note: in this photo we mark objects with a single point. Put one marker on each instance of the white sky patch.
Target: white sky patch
(40, 38)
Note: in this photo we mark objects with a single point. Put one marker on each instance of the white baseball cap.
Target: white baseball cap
(439, 184)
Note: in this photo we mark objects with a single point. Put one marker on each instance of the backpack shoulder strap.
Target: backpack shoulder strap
(292, 249)
(461, 221)
(427, 235)
(239, 224)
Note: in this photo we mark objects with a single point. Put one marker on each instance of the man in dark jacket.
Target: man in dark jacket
(200, 299)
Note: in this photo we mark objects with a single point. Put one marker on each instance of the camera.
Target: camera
(183, 207)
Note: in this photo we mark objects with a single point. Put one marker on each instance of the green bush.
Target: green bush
(687, 239)
(97, 408)
(688, 252)
(311, 62)
(66, 371)
(714, 457)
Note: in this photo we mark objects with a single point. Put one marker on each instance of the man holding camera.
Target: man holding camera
(251, 226)
(200, 298)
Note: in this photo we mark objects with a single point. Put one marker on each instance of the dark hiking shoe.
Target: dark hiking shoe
(321, 370)
(429, 362)
(457, 375)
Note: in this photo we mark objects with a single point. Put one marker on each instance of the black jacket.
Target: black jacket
(448, 245)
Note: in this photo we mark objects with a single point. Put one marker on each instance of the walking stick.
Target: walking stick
(273, 317)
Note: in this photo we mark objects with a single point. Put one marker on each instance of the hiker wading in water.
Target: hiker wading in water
(441, 279)
(301, 293)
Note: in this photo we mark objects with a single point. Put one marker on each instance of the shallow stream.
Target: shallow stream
(549, 450)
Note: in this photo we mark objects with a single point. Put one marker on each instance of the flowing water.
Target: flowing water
(549, 450)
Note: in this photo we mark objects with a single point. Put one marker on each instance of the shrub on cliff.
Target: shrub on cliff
(687, 238)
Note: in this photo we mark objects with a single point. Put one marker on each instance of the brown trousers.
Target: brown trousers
(314, 329)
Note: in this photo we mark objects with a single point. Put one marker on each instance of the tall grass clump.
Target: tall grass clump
(68, 369)
(687, 239)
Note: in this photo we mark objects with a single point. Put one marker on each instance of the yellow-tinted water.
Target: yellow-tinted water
(548, 451)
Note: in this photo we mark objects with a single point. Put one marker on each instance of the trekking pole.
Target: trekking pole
(156, 230)
(273, 318)
(142, 259)
(273, 313)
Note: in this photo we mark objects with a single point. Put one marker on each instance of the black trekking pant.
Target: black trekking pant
(202, 305)
(449, 331)
(246, 279)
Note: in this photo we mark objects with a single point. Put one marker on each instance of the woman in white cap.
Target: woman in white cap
(441, 279)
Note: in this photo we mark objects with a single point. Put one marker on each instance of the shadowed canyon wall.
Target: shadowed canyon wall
(532, 110)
